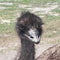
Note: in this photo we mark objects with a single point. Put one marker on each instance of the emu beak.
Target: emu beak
(33, 36)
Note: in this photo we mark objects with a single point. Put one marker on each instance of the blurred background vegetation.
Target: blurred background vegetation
(48, 10)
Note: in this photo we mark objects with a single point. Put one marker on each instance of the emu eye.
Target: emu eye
(22, 27)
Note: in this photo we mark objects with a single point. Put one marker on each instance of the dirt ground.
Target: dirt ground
(8, 50)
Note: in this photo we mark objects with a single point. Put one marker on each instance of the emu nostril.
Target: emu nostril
(31, 37)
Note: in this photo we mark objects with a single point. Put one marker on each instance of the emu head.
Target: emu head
(29, 27)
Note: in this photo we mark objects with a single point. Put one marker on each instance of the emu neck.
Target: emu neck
(27, 50)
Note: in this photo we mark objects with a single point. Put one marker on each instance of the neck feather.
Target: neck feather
(27, 50)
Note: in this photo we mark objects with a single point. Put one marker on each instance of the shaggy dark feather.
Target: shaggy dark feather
(24, 23)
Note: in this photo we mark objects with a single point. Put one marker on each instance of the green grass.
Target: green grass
(10, 12)
(7, 28)
(56, 10)
(50, 18)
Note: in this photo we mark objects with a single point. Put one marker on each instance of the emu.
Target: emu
(29, 29)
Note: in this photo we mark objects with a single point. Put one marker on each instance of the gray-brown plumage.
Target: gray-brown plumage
(52, 53)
